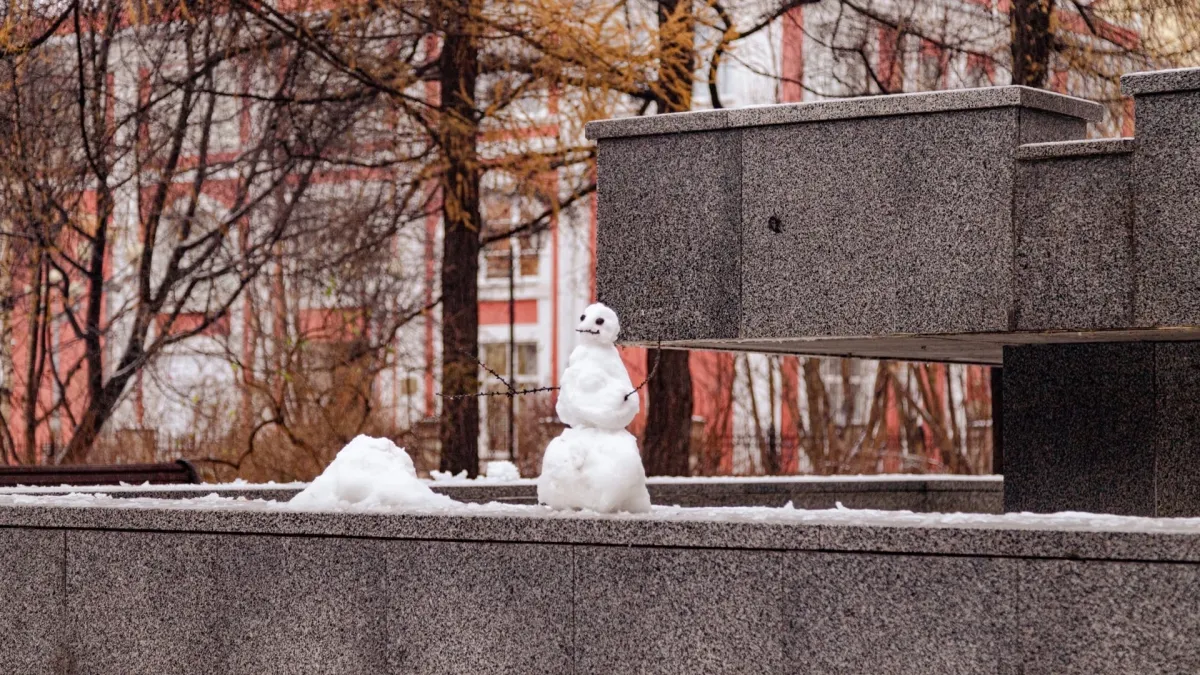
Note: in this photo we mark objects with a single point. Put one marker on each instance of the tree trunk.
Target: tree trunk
(34, 357)
(1030, 23)
(667, 440)
(458, 129)
(669, 424)
(8, 370)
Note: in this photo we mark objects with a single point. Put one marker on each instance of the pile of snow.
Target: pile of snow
(369, 473)
(503, 470)
(594, 469)
(439, 476)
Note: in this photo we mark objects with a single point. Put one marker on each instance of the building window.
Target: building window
(495, 356)
(499, 255)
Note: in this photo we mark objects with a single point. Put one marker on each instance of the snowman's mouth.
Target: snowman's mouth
(584, 330)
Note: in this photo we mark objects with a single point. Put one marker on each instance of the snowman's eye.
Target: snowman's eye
(582, 317)
(599, 322)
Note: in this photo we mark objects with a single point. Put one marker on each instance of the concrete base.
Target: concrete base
(1107, 428)
(131, 590)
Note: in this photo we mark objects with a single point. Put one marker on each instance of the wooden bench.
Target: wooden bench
(168, 473)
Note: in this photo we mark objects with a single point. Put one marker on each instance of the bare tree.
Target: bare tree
(154, 157)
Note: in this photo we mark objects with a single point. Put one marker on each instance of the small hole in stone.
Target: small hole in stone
(774, 224)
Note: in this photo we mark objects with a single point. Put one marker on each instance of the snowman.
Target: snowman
(595, 463)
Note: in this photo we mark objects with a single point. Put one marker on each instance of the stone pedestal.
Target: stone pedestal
(1108, 428)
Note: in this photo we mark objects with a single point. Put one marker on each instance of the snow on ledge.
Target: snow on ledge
(786, 515)
(241, 485)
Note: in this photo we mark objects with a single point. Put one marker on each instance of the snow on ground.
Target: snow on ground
(503, 470)
(368, 472)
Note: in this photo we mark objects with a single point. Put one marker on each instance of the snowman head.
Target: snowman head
(598, 325)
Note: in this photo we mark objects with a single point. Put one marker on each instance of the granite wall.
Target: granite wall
(975, 226)
(132, 591)
(940, 226)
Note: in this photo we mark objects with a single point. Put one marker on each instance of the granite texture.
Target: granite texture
(479, 608)
(1107, 428)
(1167, 171)
(699, 528)
(851, 600)
(1039, 126)
(1079, 428)
(668, 243)
(33, 623)
(1161, 81)
(954, 501)
(1077, 148)
(1177, 438)
(301, 605)
(955, 268)
(850, 108)
(650, 125)
(1101, 618)
(936, 227)
(641, 610)
(867, 613)
(846, 222)
(1074, 242)
(971, 348)
(143, 603)
(817, 244)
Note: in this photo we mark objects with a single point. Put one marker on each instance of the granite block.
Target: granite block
(1074, 243)
(818, 232)
(643, 610)
(142, 603)
(890, 614)
(512, 493)
(955, 221)
(1167, 171)
(963, 501)
(1096, 618)
(301, 605)
(1161, 81)
(668, 123)
(668, 243)
(972, 534)
(1077, 148)
(982, 539)
(850, 108)
(32, 618)
(1079, 428)
(1039, 126)
(1177, 442)
(479, 608)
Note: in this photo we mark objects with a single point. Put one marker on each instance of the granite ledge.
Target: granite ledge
(1161, 81)
(1083, 148)
(469, 490)
(1173, 540)
(849, 108)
